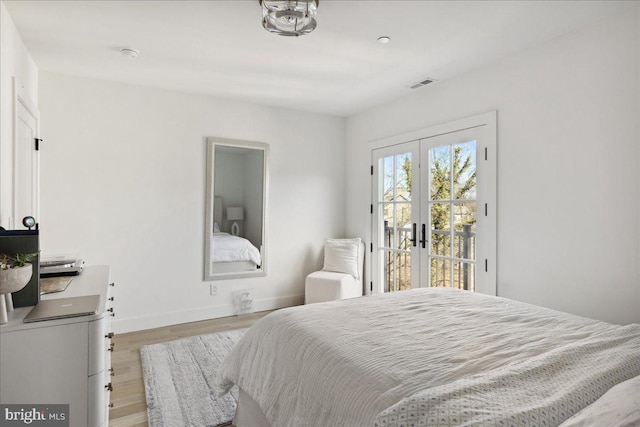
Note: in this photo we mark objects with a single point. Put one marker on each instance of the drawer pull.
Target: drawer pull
(112, 314)
(111, 310)
(112, 372)
(110, 405)
(110, 335)
(111, 284)
(109, 387)
(111, 347)
(111, 298)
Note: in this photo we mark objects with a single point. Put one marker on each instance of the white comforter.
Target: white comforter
(428, 357)
(228, 248)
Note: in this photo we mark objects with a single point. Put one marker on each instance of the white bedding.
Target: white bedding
(228, 248)
(428, 357)
(619, 407)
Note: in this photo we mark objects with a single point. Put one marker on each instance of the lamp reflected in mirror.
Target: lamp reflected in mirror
(235, 214)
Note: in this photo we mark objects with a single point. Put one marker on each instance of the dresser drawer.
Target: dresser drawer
(107, 399)
(98, 345)
(97, 402)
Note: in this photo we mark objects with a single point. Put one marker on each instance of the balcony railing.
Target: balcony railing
(397, 263)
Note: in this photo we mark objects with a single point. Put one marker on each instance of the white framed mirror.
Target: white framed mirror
(236, 207)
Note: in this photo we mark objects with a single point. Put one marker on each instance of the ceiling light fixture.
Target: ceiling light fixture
(384, 39)
(129, 52)
(289, 17)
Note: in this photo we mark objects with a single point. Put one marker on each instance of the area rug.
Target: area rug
(180, 381)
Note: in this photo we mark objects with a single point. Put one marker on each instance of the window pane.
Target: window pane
(389, 271)
(440, 172)
(397, 271)
(388, 229)
(440, 243)
(403, 177)
(440, 216)
(387, 179)
(440, 234)
(464, 276)
(464, 214)
(403, 224)
(440, 272)
(464, 217)
(464, 166)
(403, 265)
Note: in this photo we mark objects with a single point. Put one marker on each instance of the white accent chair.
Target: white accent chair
(342, 274)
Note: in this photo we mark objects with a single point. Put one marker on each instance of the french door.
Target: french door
(396, 215)
(434, 213)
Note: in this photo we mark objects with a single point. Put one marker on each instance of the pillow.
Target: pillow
(617, 407)
(341, 256)
(216, 228)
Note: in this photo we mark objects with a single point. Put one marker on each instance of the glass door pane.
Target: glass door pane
(450, 210)
(394, 217)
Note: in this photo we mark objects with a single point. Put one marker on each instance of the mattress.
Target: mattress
(428, 357)
(228, 248)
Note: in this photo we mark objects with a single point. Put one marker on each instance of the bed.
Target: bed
(233, 250)
(431, 357)
(229, 253)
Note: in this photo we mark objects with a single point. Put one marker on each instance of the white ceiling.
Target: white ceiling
(219, 47)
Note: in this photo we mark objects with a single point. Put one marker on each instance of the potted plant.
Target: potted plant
(15, 273)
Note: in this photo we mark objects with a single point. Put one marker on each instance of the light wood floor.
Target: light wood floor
(128, 399)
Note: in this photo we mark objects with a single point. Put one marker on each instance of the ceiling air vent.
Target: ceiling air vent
(422, 83)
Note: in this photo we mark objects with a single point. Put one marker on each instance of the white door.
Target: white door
(442, 231)
(456, 196)
(26, 166)
(396, 213)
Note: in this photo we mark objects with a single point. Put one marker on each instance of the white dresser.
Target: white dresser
(62, 361)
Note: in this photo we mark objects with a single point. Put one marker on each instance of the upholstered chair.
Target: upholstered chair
(342, 274)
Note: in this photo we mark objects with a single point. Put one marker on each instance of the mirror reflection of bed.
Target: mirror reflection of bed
(236, 208)
(231, 252)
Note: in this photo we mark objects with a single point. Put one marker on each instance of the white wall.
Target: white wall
(253, 188)
(229, 183)
(568, 161)
(123, 183)
(15, 62)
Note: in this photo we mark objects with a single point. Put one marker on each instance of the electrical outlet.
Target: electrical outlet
(214, 289)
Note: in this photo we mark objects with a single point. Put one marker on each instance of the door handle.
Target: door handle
(423, 241)
(414, 238)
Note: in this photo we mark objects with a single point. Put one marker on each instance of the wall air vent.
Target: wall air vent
(422, 83)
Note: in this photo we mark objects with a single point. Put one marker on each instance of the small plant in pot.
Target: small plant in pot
(20, 260)
(15, 273)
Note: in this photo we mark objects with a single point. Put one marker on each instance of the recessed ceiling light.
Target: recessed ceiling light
(384, 39)
(129, 52)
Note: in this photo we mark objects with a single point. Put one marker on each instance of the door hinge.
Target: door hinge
(37, 140)
(485, 153)
(371, 169)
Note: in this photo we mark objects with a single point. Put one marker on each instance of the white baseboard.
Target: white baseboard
(132, 324)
